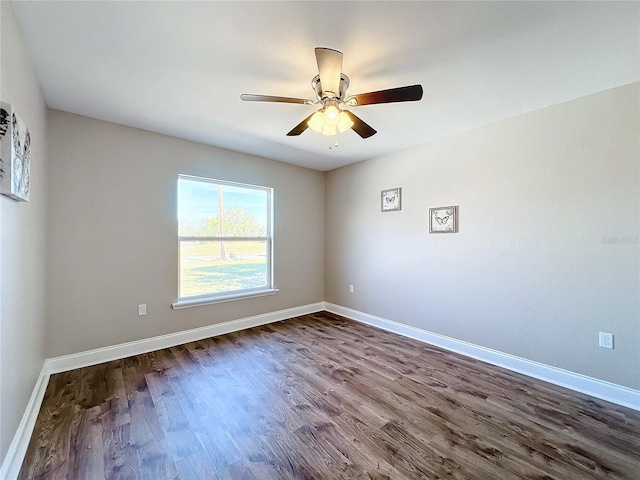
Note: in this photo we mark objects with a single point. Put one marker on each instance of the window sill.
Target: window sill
(196, 302)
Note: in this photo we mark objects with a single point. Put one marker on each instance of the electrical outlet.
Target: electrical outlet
(350, 288)
(142, 309)
(606, 340)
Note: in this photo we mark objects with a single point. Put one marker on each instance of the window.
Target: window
(225, 241)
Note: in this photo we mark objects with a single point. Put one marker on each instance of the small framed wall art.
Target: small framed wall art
(443, 219)
(391, 199)
(15, 148)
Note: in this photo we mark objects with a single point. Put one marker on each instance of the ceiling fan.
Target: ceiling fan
(331, 86)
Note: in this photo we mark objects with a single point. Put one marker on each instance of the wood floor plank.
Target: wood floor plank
(195, 466)
(52, 435)
(87, 449)
(322, 397)
(152, 452)
(236, 471)
(120, 459)
(180, 438)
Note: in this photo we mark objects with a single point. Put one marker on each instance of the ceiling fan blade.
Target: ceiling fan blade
(301, 127)
(360, 127)
(410, 93)
(249, 97)
(329, 67)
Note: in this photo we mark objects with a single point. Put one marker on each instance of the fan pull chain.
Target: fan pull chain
(335, 144)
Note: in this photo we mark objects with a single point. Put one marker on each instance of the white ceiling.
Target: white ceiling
(179, 68)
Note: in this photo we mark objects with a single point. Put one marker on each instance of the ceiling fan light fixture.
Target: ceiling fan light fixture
(331, 115)
(329, 130)
(316, 122)
(344, 122)
(330, 120)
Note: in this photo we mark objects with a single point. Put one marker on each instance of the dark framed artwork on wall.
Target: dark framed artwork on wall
(15, 150)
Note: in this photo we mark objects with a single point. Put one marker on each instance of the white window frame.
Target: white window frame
(210, 298)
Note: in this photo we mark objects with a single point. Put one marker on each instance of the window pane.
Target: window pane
(197, 205)
(208, 267)
(244, 210)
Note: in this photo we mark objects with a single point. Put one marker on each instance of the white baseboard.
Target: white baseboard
(610, 392)
(115, 352)
(12, 462)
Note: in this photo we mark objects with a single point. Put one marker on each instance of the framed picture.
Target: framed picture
(443, 219)
(15, 148)
(391, 199)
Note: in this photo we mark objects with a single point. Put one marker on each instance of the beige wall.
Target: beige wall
(547, 254)
(22, 241)
(113, 236)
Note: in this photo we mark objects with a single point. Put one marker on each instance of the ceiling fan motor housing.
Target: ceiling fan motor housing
(317, 87)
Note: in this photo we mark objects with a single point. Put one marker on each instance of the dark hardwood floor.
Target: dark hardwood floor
(322, 397)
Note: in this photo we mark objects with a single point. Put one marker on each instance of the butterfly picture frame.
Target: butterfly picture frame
(443, 219)
(391, 199)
